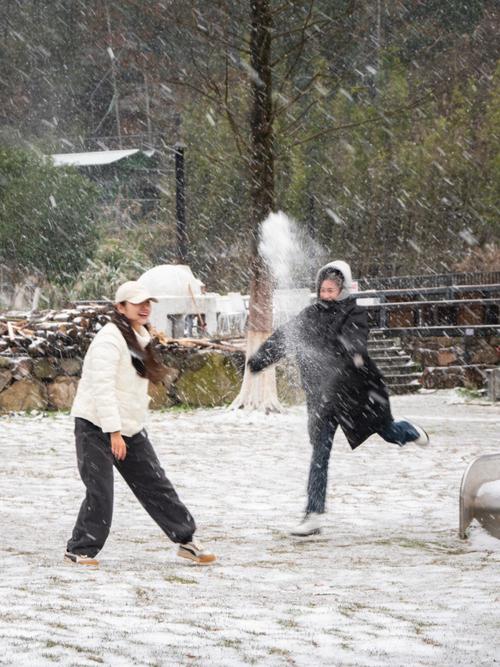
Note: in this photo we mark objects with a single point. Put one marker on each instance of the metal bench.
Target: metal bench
(480, 495)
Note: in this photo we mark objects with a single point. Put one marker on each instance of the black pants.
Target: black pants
(144, 475)
(321, 433)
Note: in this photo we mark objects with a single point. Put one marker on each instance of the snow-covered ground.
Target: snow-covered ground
(388, 583)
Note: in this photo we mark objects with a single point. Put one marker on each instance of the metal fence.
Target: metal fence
(430, 280)
(457, 310)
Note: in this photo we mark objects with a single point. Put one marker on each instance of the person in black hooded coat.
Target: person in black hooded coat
(343, 386)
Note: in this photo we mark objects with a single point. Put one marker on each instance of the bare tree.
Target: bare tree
(260, 391)
(277, 50)
(222, 56)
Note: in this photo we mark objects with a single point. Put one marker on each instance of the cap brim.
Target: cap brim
(141, 299)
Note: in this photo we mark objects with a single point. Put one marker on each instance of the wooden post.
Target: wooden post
(311, 217)
(180, 204)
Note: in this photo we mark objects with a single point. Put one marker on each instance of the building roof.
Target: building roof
(94, 158)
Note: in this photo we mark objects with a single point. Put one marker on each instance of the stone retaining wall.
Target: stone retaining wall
(197, 378)
(41, 361)
(208, 378)
(453, 362)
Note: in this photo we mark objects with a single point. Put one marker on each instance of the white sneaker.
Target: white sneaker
(81, 559)
(423, 438)
(196, 553)
(310, 525)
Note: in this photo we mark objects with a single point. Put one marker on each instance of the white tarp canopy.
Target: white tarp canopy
(167, 280)
(94, 158)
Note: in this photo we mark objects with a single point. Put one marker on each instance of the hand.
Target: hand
(253, 365)
(118, 446)
(358, 360)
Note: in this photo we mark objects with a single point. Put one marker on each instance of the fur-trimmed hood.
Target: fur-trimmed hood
(344, 269)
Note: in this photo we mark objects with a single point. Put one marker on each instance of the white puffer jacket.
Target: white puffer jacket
(111, 394)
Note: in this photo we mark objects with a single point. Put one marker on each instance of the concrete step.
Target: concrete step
(381, 344)
(399, 389)
(400, 370)
(401, 378)
(397, 367)
(399, 359)
(377, 334)
(394, 352)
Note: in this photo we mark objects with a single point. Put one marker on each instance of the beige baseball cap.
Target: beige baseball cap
(134, 292)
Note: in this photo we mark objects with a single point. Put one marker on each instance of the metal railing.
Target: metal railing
(440, 311)
(430, 280)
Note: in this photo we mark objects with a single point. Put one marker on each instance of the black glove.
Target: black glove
(254, 364)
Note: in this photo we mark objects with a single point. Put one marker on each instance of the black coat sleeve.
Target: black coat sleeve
(271, 351)
(354, 333)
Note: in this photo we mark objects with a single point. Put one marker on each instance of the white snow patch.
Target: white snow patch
(490, 490)
(385, 585)
(481, 540)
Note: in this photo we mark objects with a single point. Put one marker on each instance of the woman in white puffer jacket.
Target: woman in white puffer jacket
(110, 410)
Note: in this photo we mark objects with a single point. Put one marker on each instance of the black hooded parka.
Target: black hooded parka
(329, 342)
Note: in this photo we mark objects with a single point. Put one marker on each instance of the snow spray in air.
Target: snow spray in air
(293, 259)
(291, 255)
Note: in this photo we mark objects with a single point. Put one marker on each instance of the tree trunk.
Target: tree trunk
(259, 391)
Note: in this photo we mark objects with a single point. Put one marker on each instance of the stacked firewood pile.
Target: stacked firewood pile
(68, 333)
(196, 343)
(65, 333)
(41, 360)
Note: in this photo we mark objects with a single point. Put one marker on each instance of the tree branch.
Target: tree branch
(381, 116)
(289, 128)
(238, 139)
(191, 86)
(211, 91)
(279, 9)
(208, 35)
(299, 45)
(299, 96)
(288, 33)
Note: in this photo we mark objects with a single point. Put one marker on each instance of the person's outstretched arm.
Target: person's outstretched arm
(271, 351)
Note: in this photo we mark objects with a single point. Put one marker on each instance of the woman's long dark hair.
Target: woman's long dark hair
(147, 362)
